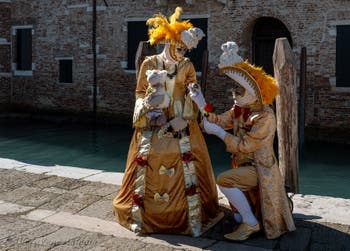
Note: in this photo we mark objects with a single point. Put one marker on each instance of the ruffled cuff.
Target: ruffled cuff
(139, 117)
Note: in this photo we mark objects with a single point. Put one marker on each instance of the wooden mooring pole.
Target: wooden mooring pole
(302, 96)
(287, 113)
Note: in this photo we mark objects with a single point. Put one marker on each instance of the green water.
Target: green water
(324, 167)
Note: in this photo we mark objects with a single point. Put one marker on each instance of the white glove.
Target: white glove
(214, 129)
(196, 95)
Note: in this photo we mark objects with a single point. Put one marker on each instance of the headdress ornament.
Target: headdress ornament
(254, 79)
(175, 31)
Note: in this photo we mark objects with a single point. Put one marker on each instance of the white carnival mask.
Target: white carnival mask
(229, 58)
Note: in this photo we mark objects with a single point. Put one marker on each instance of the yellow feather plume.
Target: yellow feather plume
(174, 17)
(267, 83)
(163, 31)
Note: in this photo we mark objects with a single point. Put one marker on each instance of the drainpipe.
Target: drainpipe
(94, 52)
(94, 17)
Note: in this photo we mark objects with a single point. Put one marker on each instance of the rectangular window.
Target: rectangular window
(138, 31)
(342, 56)
(24, 49)
(196, 54)
(66, 71)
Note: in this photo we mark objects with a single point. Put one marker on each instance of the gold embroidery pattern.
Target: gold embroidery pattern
(144, 149)
(193, 200)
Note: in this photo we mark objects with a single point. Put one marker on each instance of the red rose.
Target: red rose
(209, 107)
(187, 157)
(141, 161)
(138, 200)
(191, 190)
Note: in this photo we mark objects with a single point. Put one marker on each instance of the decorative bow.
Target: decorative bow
(238, 111)
(163, 170)
(164, 197)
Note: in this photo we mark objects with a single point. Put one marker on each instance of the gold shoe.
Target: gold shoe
(242, 232)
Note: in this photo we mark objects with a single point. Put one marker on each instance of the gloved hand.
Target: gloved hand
(214, 129)
(196, 95)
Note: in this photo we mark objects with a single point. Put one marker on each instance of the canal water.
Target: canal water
(324, 167)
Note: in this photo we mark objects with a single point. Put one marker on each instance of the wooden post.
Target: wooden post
(287, 113)
(144, 49)
(204, 72)
(302, 94)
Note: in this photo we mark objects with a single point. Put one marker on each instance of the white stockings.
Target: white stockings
(239, 201)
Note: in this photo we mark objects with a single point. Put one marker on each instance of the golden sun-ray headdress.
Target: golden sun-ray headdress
(175, 31)
(254, 79)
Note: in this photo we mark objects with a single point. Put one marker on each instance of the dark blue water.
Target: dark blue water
(324, 167)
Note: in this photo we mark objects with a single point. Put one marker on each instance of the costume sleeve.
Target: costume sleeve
(142, 83)
(139, 119)
(190, 110)
(224, 120)
(264, 126)
(191, 74)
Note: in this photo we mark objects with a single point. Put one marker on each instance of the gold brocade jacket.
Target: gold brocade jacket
(252, 140)
(168, 184)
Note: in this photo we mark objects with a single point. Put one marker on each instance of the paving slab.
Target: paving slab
(178, 241)
(97, 188)
(23, 246)
(70, 184)
(231, 246)
(33, 233)
(59, 202)
(39, 169)
(322, 208)
(59, 237)
(120, 244)
(101, 209)
(12, 179)
(38, 214)
(114, 178)
(296, 241)
(16, 227)
(72, 172)
(18, 193)
(11, 208)
(48, 182)
(11, 164)
(36, 199)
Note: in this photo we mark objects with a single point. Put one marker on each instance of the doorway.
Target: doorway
(266, 30)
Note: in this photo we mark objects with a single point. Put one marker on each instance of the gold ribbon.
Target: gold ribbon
(163, 170)
(164, 197)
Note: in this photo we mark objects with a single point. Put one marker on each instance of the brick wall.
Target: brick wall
(5, 52)
(64, 29)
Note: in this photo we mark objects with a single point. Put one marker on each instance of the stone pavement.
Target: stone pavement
(67, 208)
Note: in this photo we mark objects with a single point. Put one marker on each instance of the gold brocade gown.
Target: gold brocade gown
(168, 185)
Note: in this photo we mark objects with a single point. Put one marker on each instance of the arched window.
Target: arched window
(266, 30)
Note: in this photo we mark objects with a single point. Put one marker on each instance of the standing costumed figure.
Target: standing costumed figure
(168, 184)
(254, 185)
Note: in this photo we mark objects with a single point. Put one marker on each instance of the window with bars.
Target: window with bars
(24, 49)
(342, 56)
(65, 70)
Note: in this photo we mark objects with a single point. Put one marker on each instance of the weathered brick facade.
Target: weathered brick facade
(5, 52)
(63, 28)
